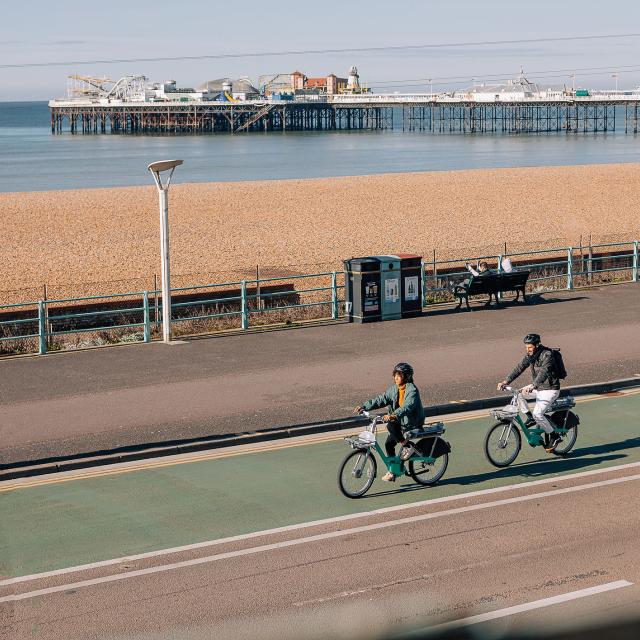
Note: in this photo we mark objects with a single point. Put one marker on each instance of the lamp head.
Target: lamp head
(163, 165)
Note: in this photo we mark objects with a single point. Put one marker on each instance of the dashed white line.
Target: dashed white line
(520, 608)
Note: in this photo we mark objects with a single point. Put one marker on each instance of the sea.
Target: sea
(34, 159)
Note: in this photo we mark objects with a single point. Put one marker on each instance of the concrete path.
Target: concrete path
(76, 402)
(245, 542)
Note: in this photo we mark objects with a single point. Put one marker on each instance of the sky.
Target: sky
(35, 31)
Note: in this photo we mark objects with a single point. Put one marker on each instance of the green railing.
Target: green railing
(45, 317)
(41, 322)
(563, 269)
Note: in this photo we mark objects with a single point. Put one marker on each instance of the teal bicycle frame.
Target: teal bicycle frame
(511, 415)
(393, 463)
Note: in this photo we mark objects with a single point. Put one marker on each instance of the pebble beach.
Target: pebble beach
(69, 238)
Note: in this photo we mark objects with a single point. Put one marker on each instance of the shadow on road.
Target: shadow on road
(537, 469)
(608, 447)
(533, 299)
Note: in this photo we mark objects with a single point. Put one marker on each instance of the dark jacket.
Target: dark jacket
(410, 414)
(543, 369)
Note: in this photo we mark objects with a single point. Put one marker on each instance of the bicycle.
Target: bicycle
(503, 441)
(427, 466)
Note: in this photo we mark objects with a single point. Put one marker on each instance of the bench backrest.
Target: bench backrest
(497, 282)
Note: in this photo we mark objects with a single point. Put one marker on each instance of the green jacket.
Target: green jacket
(410, 414)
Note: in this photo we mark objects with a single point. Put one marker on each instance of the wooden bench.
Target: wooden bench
(492, 284)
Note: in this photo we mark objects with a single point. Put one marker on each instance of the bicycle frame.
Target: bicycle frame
(533, 435)
(393, 463)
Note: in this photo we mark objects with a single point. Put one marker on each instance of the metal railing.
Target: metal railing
(551, 269)
(41, 324)
(45, 320)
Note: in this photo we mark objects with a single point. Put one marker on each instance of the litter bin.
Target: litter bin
(373, 288)
(411, 284)
(362, 280)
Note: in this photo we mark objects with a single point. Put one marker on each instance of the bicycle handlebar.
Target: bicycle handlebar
(367, 414)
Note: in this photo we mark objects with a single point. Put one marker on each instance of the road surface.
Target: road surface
(258, 542)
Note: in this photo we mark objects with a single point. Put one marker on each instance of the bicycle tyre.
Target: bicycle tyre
(570, 438)
(488, 448)
(343, 480)
(441, 463)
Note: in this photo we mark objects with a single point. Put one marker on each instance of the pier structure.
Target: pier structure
(212, 117)
(516, 118)
(429, 116)
(134, 106)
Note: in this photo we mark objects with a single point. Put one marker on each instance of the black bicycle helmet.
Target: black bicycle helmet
(532, 338)
(405, 370)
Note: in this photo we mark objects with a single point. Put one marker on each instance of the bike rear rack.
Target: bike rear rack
(428, 429)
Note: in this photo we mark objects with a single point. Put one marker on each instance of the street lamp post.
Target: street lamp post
(615, 75)
(156, 169)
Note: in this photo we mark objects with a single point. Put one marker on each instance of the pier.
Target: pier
(293, 102)
(576, 116)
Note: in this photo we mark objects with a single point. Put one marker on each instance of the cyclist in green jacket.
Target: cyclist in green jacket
(406, 412)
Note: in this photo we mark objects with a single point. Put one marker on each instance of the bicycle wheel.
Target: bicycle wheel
(568, 442)
(428, 473)
(502, 444)
(357, 473)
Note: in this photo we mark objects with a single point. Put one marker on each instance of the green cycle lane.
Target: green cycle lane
(52, 526)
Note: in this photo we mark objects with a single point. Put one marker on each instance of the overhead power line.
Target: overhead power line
(262, 54)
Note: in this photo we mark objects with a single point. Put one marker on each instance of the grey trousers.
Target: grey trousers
(544, 399)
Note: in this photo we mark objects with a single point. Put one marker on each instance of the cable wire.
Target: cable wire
(225, 56)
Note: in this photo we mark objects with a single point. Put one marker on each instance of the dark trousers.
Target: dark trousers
(395, 436)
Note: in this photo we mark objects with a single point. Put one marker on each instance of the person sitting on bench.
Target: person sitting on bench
(482, 271)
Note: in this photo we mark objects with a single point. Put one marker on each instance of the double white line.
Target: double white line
(312, 538)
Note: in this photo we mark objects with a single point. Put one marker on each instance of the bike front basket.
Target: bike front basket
(505, 413)
(363, 440)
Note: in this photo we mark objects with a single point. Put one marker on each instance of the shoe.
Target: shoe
(554, 440)
(388, 477)
(407, 451)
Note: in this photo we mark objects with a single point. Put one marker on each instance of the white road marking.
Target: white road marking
(313, 523)
(520, 608)
(315, 538)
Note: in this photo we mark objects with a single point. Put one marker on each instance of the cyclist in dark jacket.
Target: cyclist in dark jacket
(406, 412)
(545, 386)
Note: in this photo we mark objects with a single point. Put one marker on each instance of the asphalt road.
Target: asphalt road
(76, 402)
(186, 548)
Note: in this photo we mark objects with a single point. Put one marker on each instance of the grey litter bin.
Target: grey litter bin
(373, 288)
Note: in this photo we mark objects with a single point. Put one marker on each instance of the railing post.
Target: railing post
(334, 296)
(147, 316)
(634, 271)
(244, 310)
(156, 314)
(42, 328)
(258, 299)
(499, 294)
(570, 268)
